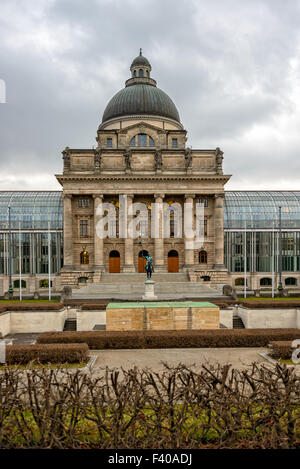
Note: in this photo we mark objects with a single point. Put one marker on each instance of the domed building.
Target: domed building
(142, 154)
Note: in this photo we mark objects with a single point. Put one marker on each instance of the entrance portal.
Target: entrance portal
(114, 262)
(142, 261)
(173, 261)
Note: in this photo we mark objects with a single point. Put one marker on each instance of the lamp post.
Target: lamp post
(280, 255)
(10, 289)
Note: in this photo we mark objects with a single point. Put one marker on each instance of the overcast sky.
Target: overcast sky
(232, 68)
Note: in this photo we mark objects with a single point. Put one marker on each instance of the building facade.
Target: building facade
(142, 153)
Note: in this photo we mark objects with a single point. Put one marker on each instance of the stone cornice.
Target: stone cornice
(142, 177)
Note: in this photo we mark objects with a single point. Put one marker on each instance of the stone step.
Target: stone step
(70, 325)
(167, 287)
(134, 291)
(140, 278)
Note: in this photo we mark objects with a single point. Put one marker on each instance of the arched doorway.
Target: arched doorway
(114, 262)
(173, 261)
(142, 260)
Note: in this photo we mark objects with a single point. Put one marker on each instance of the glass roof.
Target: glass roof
(258, 208)
(32, 210)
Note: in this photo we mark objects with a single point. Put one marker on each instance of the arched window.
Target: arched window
(17, 284)
(202, 257)
(84, 257)
(265, 282)
(141, 73)
(142, 140)
(240, 282)
(134, 73)
(82, 280)
(290, 281)
(45, 283)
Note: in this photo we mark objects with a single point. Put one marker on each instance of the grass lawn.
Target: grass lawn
(287, 362)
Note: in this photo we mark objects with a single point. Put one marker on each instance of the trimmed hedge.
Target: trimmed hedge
(47, 353)
(31, 307)
(93, 306)
(216, 338)
(281, 349)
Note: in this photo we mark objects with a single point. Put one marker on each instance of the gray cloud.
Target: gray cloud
(231, 67)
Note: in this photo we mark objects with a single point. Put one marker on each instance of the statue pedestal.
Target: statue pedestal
(149, 290)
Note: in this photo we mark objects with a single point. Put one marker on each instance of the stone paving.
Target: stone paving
(240, 358)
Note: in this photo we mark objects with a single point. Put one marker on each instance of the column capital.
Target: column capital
(221, 196)
(67, 196)
(97, 196)
(129, 195)
(189, 196)
(162, 196)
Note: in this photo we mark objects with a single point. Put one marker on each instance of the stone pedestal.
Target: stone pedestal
(149, 290)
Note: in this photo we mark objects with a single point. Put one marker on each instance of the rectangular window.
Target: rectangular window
(109, 142)
(174, 143)
(203, 201)
(83, 203)
(84, 228)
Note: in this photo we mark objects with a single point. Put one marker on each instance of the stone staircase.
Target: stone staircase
(168, 286)
(237, 323)
(140, 278)
(70, 324)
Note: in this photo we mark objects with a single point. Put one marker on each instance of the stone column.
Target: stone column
(159, 260)
(129, 263)
(98, 241)
(188, 251)
(68, 232)
(219, 232)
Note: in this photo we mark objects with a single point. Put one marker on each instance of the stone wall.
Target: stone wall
(162, 316)
(270, 318)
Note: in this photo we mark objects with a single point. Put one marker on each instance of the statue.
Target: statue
(219, 160)
(127, 160)
(66, 158)
(158, 160)
(149, 269)
(188, 157)
(97, 158)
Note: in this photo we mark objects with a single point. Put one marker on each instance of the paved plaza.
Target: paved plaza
(153, 359)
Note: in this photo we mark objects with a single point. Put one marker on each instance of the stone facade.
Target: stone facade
(160, 168)
(162, 316)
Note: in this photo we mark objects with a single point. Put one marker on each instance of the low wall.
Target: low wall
(14, 322)
(5, 323)
(269, 318)
(226, 317)
(162, 316)
(86, 320)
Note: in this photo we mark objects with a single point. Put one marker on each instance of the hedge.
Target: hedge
(31, 307)
(216, 338)
(47, 353)
(281, 349)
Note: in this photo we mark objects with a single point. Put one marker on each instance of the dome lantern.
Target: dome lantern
(140, 67)
(140, 96)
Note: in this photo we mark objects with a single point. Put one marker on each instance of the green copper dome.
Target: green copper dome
(141, 99)
(140, 96)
